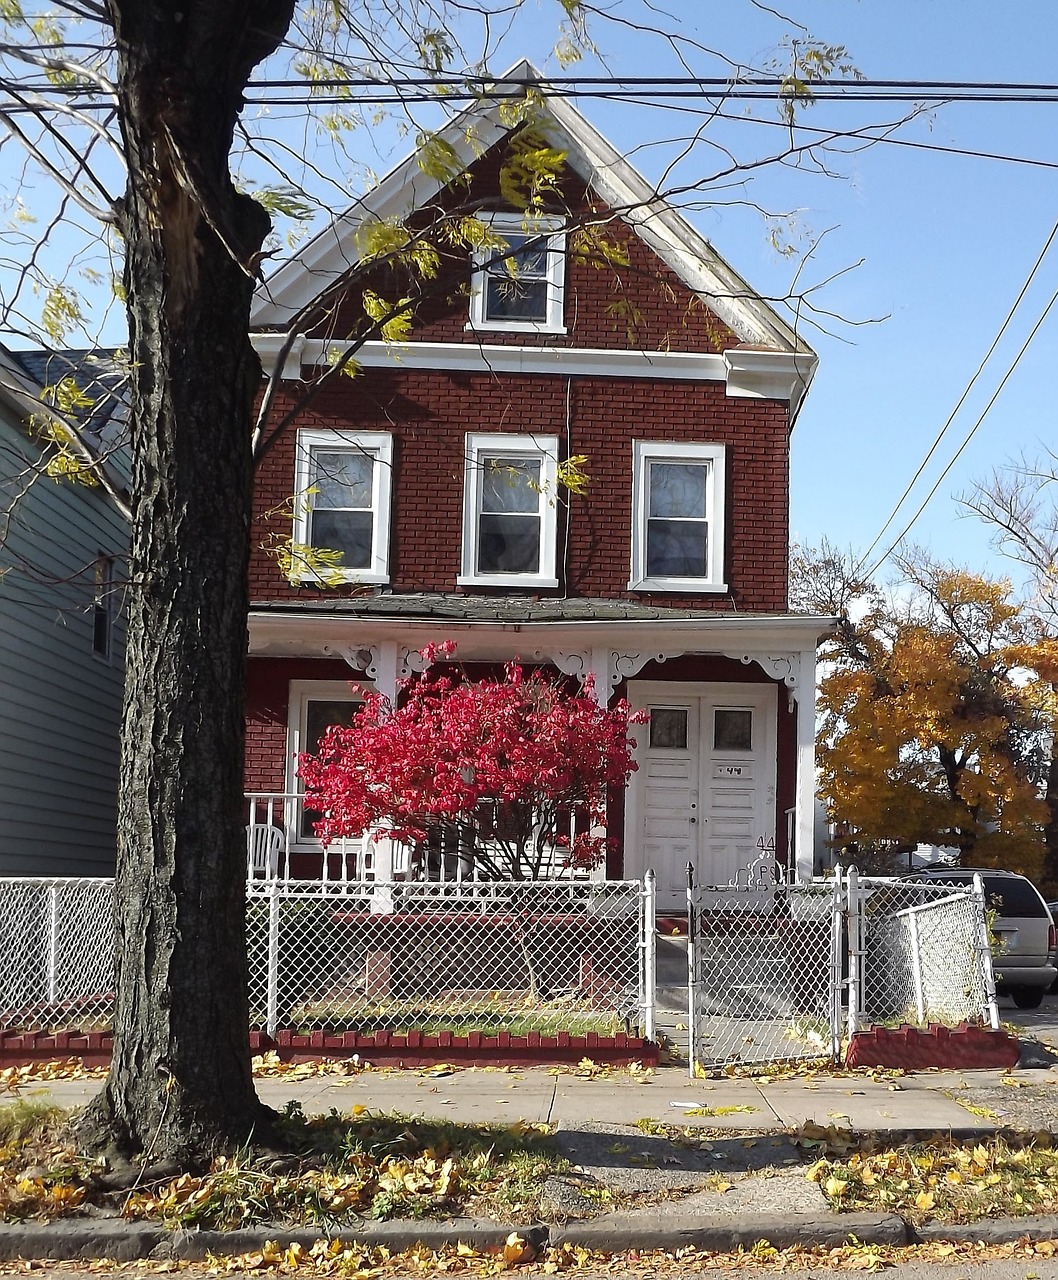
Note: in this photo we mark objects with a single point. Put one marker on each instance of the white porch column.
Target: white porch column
(805, 804)
(384, 672)
(600, 664)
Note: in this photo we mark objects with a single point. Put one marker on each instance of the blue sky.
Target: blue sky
(944, 242)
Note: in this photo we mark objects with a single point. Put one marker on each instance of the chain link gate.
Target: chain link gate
(765, 968)
(772, 963)
(918, 953)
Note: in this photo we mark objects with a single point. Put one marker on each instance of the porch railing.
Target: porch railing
(281, 845)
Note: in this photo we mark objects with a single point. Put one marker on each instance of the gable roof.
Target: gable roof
(25, 374)
(292, 287)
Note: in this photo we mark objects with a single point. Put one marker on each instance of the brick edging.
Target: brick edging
(915, 1048)
(410, 1048)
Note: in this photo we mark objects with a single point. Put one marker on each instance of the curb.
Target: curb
(70, 1240)
(990, 1230)
(724, 1234)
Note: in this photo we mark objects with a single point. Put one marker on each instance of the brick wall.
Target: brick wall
(641, 305)
(638, 304)
(429, 414)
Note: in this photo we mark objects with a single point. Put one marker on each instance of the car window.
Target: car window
(1007, 895)
(1014, 897)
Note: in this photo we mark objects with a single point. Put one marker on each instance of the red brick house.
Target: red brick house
(436, 471)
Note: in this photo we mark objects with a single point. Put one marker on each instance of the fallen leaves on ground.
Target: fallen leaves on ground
(270, 1066)
(939, 1179)
(12, 1078)
(355, 1261)
(588, 1069)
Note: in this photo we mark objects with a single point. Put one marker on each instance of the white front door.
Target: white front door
(704, 792)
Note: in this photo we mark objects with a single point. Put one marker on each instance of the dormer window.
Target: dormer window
(519, 286)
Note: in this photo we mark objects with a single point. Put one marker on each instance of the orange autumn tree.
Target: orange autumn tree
(933, 718)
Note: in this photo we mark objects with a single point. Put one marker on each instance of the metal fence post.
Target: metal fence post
(984, 952)
(649, 954)
(53, 943)
(692, 932)
(837, 904)
(916, 967)
(272, 1008)
(855, 947)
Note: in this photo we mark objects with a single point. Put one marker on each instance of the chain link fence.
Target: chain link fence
(772, 964)
(765, 970)
(56, 954)
(918, 953)
(533, 956)
(547, 956)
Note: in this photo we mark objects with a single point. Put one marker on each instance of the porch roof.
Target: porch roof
(495, 627)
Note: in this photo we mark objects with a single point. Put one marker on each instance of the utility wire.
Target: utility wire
(461, 89)
(951, 416)
(969, 436)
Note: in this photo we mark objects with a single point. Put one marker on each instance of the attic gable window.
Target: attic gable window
(509, 511)
(678, 517)
(520, 288)
(343, 483)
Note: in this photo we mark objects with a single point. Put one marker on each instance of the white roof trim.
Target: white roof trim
(319, 634)
(331, 253)
(769, 375)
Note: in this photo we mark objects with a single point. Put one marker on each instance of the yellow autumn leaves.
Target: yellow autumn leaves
(951, 1180)
(930, 708)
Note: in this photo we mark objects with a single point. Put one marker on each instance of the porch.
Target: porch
(728, 775)
(281, 847)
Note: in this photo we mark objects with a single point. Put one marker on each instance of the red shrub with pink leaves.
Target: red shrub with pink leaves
(506, 776)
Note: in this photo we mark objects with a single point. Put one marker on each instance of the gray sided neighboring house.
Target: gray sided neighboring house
(62, 565)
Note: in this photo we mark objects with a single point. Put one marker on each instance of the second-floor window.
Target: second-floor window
(509, 511)
(678, 517)
(520, 286)
(343, 486)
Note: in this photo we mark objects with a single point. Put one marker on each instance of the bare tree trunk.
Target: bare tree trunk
(180, 1085)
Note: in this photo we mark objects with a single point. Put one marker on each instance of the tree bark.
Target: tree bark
(180, 1086)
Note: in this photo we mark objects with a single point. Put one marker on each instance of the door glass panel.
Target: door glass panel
(320, 714)
(732, 730)
(668, 727)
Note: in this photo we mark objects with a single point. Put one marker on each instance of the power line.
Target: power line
(969, 436)
(951, 416)
(376, 91)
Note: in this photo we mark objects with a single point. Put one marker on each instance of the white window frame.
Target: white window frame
(542, 448)
(379, 446)
(555, 277)
(715, 457)
(300, 694)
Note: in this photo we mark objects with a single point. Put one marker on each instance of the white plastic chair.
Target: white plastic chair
(264, 845)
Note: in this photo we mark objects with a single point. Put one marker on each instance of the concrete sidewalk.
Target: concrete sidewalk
(743, 1183)
(922, 1101)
